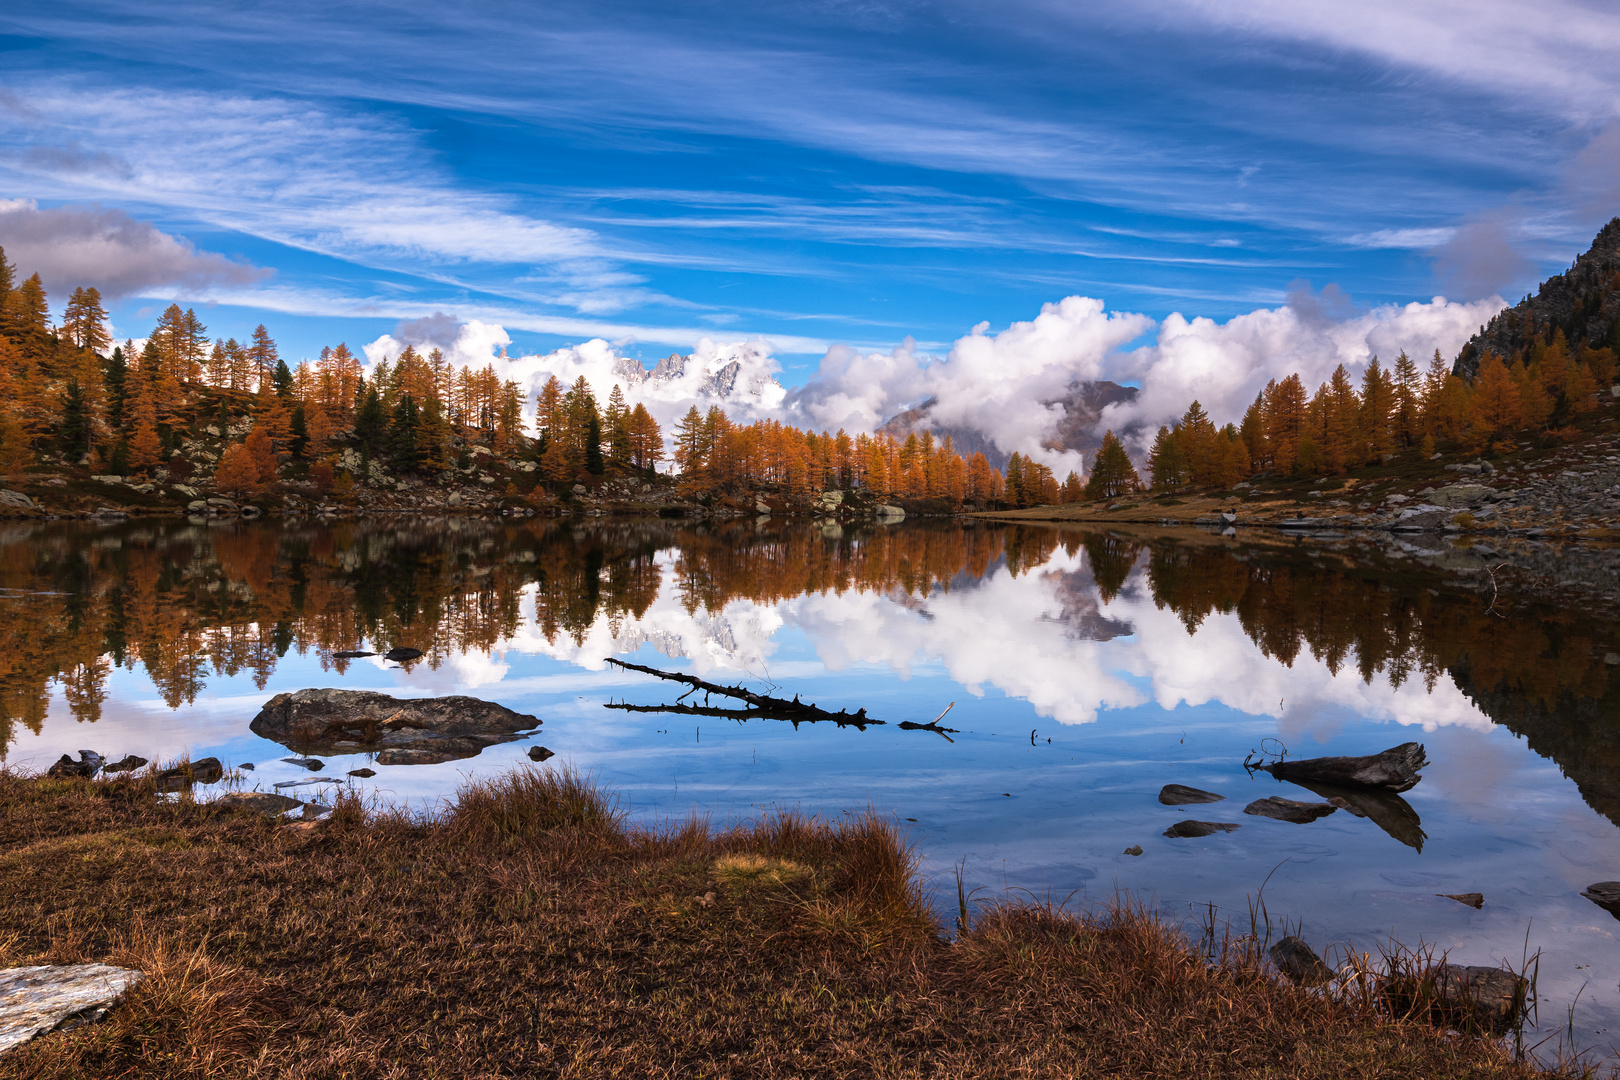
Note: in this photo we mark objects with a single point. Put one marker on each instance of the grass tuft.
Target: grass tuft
(529, 803)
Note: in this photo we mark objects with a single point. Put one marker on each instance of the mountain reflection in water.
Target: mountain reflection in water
(184, 601)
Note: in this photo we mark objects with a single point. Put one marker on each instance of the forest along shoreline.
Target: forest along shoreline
(1516, 436)
(788, 946)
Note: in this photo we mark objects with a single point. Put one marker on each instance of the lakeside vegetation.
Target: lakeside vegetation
(237, 418)
(529, 930)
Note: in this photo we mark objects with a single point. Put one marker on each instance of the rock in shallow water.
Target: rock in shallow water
(130, 762)
(1472, 899)
(402, 654)
(1299, 962)
(261, 801)
(1280, 809)
(1606, 895)
(34, 1000)
(540, 753)
(87, 766)
(206, 770)
(1494, 997)
(415, 731)
(1182, 829)
(1181, 795)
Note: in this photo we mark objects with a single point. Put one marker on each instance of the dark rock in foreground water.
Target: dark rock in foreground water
(351, 654)
(1181, 795)
(402, 654)
(364, 774)
(417, 757)
(1395, 769)
(87, 766)
(540, 753)
(1494, 997)
(206, 770)
(129, 762)
(1300, 813)
(1134, 849)
(1200, 828)
(1299, 962)
(415, 731)
(1606, 895)
(1472, 899)
(263, 802)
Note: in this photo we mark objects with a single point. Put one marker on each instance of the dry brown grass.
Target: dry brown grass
(530, 932)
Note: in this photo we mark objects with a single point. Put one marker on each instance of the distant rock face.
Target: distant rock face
(416, 731)
(719, 382)
(1082, 406)
(1583, 301)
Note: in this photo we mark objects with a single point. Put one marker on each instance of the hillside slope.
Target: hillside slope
(1583, 303)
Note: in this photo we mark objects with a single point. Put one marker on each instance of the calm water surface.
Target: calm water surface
(1087, 670)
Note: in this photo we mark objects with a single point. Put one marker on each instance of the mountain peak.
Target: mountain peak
(1583, 302)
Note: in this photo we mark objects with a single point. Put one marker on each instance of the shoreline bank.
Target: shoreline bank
(528, 930)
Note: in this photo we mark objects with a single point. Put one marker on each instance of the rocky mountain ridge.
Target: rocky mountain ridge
(1583, 302)
(1082, 404)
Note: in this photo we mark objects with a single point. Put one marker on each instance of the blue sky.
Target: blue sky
(813, 173)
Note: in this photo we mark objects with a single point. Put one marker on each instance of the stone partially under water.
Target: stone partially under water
(413, 731)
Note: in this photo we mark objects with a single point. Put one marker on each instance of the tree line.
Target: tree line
(1536, 393)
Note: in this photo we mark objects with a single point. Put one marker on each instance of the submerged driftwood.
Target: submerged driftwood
(1396, 769)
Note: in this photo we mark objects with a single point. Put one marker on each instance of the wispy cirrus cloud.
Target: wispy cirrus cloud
(353, 186)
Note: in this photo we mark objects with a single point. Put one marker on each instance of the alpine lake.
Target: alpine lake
(1082, 672)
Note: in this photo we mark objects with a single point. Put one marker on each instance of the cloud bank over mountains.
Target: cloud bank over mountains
(995, 383)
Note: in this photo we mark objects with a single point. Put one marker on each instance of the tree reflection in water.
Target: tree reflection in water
(182, 601)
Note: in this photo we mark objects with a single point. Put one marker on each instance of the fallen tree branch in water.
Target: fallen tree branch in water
(796, 717)
(933, 725)
(764, 705)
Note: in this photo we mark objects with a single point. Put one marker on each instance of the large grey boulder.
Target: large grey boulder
(412, 731)
(34, 1000)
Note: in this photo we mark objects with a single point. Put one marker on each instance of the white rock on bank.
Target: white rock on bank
(34, 1000)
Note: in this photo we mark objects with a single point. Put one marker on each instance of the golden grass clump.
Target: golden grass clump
(741, 872)
(529, 802)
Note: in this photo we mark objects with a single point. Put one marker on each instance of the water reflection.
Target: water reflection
(186, 603)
